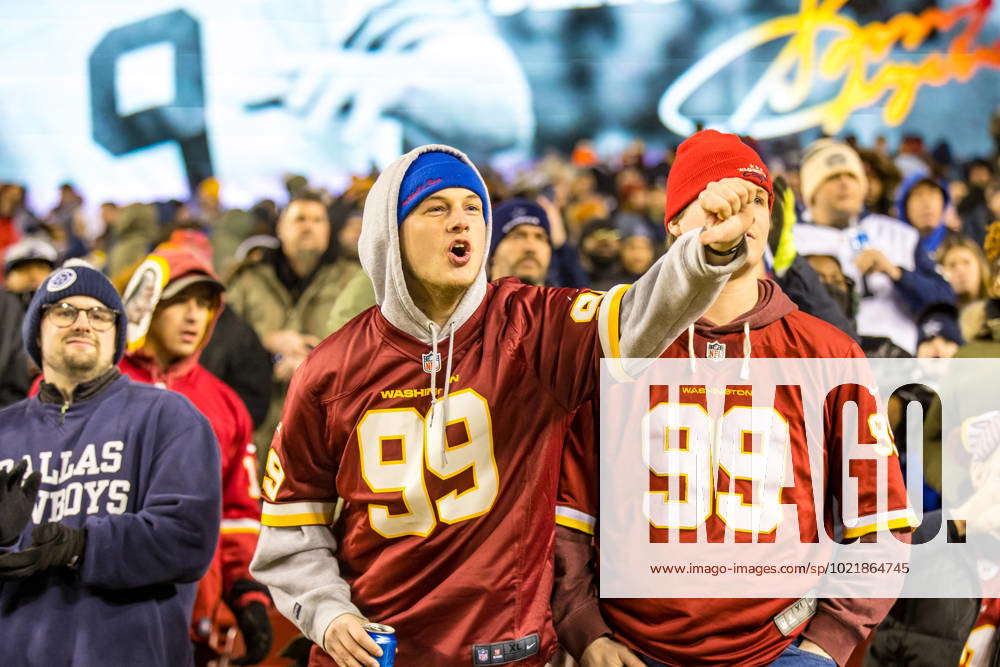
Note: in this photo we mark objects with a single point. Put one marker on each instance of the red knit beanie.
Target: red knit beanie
(709, 156)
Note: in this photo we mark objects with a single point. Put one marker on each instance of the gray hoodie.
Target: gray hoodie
(298, 564)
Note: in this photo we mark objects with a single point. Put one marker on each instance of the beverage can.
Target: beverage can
(385, 637)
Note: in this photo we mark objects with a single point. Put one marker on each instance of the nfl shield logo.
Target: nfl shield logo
(716, 351)
(482, 655)
(432, 362)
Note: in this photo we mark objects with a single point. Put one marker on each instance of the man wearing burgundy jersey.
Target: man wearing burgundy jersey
(446, 483)
(751, 317)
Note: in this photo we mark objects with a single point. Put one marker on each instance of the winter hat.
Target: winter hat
(436, 171)
(66, 282)
(513, 213)
(825, 158)
(709, 156)
(29, 250)
(940, 320)
(165, 272)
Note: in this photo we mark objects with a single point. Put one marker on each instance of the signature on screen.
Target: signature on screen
(860, 57)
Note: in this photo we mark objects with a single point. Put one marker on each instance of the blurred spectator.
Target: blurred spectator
(880, 254)
(881, 145)
(980, 321)
(9, 231)
(230, 229)
(584, 154)
(940, 336)
(265, 217)
(638, 251)
(883, 179)
(827, 296)
(208, 201)
(287, 296)
(521, 245)
(964, 266)
(255, 248)
(65, 223)
(973, 208)
(132, 233)
(26, 265)
(234, 353)
(921, 202)
(912, 157)
(164, 349)
(600, 247)
(983, 321)
(15, 378)
(585, 203)
(565, 269)
(14, 209)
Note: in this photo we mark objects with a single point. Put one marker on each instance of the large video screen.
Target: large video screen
(143, 100)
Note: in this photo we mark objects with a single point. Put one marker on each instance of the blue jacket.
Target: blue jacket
(138, 468)
(929, 244)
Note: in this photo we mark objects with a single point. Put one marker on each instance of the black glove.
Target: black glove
(16, 501)
(52, 545)
(251, 616)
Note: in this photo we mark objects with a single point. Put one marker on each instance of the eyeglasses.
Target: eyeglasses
(64, 315)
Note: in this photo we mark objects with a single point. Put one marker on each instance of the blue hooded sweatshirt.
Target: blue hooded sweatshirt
(138, 468)
(929, 244)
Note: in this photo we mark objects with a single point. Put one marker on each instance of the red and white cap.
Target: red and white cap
(709, 156)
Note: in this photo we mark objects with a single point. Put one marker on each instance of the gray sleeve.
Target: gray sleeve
(298, 566)
(671, 296)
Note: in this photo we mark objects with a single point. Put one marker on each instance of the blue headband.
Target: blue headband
(435, 171)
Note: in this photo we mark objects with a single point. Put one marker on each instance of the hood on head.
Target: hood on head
(381, 256)
(907, 187)
(165, 272)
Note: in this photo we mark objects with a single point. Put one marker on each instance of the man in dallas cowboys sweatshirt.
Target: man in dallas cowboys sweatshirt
(109, 495)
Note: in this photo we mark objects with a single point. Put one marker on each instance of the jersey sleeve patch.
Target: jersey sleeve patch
(283, 515)
(875, 522)
(575, 519)
(608, 321)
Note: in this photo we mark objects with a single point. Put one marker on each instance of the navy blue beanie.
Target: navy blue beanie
(939, 320)
(435, 171)
(516, 212)
(66, 282)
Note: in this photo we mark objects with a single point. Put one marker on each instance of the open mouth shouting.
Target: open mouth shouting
(460, 252)
(189, 336)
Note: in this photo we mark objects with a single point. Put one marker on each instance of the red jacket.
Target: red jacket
(234, 430)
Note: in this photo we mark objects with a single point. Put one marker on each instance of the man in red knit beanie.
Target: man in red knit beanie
(709, 162)
(752, 317)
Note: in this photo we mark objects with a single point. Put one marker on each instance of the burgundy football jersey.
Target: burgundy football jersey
(450, 543)
(707, 631)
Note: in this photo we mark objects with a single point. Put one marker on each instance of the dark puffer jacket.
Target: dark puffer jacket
(929, 632)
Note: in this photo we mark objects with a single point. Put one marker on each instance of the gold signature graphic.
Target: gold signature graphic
(859, 56)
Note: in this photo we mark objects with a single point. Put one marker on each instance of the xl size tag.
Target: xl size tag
(795, 615)
(500, 653)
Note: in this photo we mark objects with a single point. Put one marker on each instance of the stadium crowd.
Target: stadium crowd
(899, 248)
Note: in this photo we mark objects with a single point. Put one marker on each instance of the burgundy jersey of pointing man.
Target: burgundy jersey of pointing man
(412, 480)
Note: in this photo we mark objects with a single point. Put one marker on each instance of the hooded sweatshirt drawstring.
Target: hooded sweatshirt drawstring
(745, 368)
(691, 346)
(439, 414)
